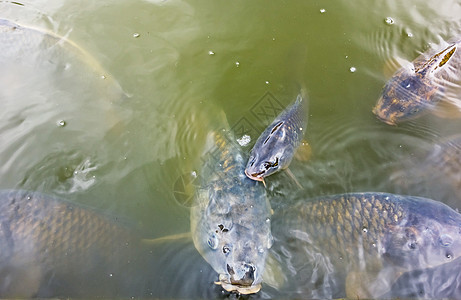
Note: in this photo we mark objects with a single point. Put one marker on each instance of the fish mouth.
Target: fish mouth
(241, 289)
(255, 176)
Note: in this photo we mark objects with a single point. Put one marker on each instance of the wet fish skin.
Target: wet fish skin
(46, 243)
(378, 235)
(275, 147)
(412, 90)
(230, 222)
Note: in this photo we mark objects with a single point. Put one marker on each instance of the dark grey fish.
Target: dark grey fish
(51, 248)
(230, 221)
(275, 147)
(414, 89)
(363, 241)
(46, 243)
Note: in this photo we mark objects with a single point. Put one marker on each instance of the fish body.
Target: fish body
(50, 247)
(366, 238)
(275, 147)
(230, 221)
(415, 88)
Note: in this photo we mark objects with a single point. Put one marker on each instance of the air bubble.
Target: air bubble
(136, 35)
(389, 21)
(352, 69)
(210, 52)
(267, 82)
(322, 10)
(61, 123)
(244, 140)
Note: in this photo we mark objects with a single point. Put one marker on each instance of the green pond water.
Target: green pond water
(115, 118)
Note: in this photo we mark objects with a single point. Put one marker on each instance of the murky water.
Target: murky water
(114, 119)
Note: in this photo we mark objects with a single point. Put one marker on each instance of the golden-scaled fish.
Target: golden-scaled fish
(276, 146)
(230, 221)
(418, 87)
(358, 244)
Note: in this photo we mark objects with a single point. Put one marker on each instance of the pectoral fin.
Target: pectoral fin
(448, 108)
(168, 238)
(393, 64)
(366, 285)
(273, 274)
(304, 151)
(292, 176)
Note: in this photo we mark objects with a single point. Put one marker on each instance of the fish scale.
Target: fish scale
(44, 234)
(377, 235)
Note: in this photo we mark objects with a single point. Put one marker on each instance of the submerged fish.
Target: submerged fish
(230, 221)
(47, 244)
(276, 146)
(364, 240)
(414, 89)
(51, 248)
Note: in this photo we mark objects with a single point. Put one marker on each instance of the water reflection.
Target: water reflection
(56, 98)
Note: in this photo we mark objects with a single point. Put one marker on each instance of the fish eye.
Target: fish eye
(269, 164)
(213, 242)
(226, 249)
(412, 246)
(406, 83)
(449, 255)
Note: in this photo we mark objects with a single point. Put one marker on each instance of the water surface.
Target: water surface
(118, 128)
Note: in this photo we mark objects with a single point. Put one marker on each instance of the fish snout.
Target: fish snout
(242, 274)
(258, 176)
(384, 112)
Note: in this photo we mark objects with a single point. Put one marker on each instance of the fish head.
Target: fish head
(424, 241)
(407, 94)
(234, 238)
(271, 157)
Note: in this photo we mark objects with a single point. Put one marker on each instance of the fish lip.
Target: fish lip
(241, 289)
(253, 177)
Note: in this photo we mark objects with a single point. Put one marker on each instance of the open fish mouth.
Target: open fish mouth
(241, 289)
(255, 176)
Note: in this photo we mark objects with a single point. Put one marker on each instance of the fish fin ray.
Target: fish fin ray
(168, 238)
(294, 178)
